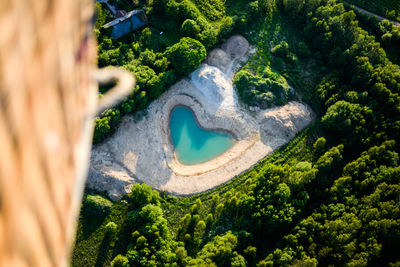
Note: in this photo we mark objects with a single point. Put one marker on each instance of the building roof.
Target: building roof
(120, 13)
(131, 21)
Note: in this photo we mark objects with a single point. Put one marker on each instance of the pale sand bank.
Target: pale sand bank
(142, 151)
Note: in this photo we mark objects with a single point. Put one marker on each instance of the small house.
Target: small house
(132, 21)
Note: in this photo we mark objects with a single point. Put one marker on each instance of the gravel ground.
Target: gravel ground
(141, 151)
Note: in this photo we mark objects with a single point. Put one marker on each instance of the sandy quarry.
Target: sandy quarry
(142, 151)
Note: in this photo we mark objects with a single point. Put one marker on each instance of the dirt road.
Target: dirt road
(369, 13)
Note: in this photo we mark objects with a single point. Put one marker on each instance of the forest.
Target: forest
(386, 8)
(329, 197)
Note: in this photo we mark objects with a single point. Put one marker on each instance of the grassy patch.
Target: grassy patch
(93, 249)
(298, 66)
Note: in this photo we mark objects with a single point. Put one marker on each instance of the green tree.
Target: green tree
(186, 55)
(220, 250)
(348, 120)
(102, 129)
(111, 230)
(281, 50)
(238, 260)
(120, 261)
(101, 15)
(142, 194)
(319, 146)
(190, 28)
(96, 205)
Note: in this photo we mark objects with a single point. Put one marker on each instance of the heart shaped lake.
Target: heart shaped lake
(193, 144)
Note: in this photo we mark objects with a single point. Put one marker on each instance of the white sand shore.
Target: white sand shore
(142, 151)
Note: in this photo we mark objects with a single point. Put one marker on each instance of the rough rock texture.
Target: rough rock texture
(142, 151)
(236, 46)
(214, 86)
(219, 58)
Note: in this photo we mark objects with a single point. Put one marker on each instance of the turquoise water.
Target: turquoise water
(192, 143)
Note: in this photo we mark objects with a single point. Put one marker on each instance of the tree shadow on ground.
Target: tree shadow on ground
(91, 223)
(123, 240)
(103, 251)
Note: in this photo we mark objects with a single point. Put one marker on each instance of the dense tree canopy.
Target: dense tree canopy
(186, 55)
(263, 90)
(330, 197)
(172, 46)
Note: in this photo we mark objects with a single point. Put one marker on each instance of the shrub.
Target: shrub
(251, 253)
(105, 124)
(220, 250)
(101, 15)
(96, 205)
(111, 232)
(281, 50)
(111, 229)
(219, 209)
(253, 8)
(135, 235)
(209, 36)
(108, 57)
(194, 209)
(188, 10)
(238, 260)
(140, 99)
(113, 114)
(126, 108)
(347, 119)
(141, 241)
(120, 261)
(155, 87)
(303, 166)
(181, 253)
(319, 146)
(168, 78)
(209, 219)
(150, 213)
(215, 199)
(147, 57)
(156, 61)
(200, 229)
(262, 90)
(102, 129)
(186, 55)
(190, 28)
(187, 237)
(212, 9)
(225, 26)
(142, 194)
(143, 74)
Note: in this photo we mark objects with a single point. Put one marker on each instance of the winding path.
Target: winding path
(369, 13)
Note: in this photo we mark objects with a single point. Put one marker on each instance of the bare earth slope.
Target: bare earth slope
(142, 151)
